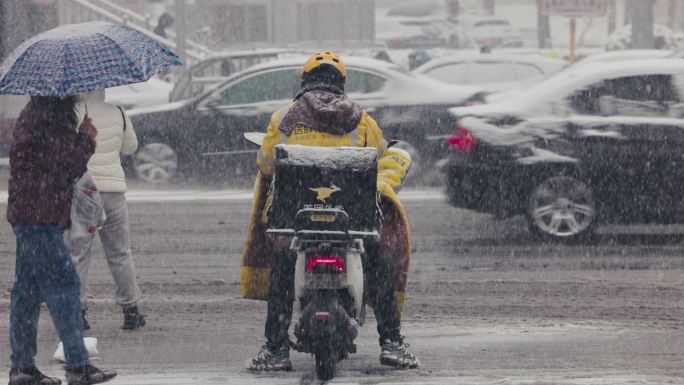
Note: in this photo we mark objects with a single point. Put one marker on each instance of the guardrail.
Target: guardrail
(147, 24)
(78, 11)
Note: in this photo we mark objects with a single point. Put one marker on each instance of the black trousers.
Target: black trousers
(377, 270)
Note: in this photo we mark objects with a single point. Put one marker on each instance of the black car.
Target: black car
(211, 71)
(604, 142)
(202, 136)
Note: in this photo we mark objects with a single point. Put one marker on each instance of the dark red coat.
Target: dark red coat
(42, 174)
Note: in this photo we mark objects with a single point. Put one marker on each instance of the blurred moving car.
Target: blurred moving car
(622, 55)
(492, 32)
(203, 136)
(493, 72)
(602, 142)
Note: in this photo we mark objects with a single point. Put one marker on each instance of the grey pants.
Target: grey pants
(115, 238)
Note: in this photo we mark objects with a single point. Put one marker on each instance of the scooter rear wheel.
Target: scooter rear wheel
(325, 364)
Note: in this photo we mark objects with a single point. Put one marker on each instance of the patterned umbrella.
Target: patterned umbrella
(78, 58)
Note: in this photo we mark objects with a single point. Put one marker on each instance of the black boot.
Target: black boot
(86, 325)
(31, 376)
(88, 374)
(133, 320)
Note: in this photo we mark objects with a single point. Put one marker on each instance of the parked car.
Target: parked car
(203, 135)
(10, 107)
(493, 72)
(602, 142)
(492, 32)
(152, 92)
(425, 33)
(212, 71)
(417, 9)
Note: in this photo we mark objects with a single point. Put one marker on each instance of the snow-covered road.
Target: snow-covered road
(488, 303)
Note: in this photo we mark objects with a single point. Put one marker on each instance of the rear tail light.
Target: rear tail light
(462, 140)
(326, 264)
(322, 316)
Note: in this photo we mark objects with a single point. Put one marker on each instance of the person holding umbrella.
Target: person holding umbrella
(50, 150)
(47, 154)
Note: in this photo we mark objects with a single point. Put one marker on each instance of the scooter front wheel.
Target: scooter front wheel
(325, 364)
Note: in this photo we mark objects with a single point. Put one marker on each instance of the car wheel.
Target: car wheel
(562, 207)
(156, 163)
(415, 157)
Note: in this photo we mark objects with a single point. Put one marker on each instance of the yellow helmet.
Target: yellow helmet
(324, 57)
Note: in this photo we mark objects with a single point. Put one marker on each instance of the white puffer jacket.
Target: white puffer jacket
(112, 140)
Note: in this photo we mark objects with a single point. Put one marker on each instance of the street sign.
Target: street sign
(574, 8)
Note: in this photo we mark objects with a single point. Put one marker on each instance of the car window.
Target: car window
(273, 85)
(363, 82)
(449, 73)
(489, 72)
(527, 71)
(197, 80)
(648, 95)
(181, 90)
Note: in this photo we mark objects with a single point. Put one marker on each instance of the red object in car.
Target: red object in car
(462, 140)
(331, 261)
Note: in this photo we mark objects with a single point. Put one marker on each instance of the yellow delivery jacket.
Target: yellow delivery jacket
(393, 163)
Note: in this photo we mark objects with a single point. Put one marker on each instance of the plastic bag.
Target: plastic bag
(87, 209)
(90, 344)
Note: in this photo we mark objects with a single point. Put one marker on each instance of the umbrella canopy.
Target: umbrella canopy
(78, 58)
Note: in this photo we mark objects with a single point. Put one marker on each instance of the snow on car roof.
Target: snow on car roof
(407, 82)
(542, 61)
(606, 70)
(563, 83)
(348, 60)
(631, 54)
